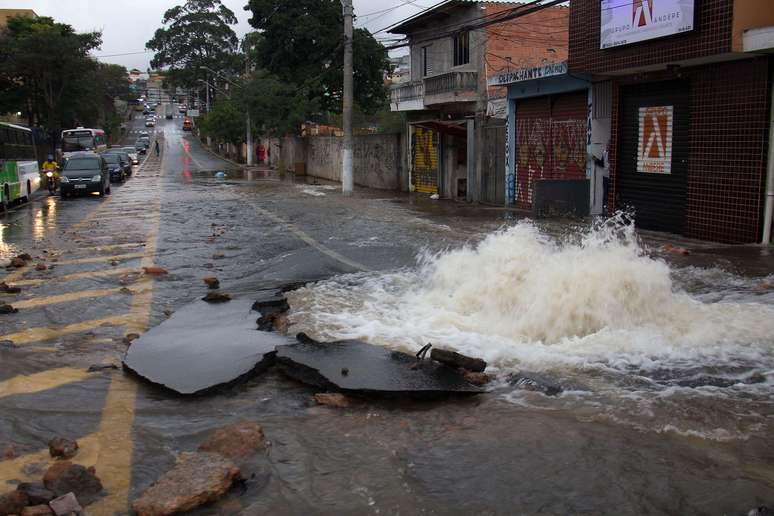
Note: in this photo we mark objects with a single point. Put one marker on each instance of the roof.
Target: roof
(445, 5)
(10, 13)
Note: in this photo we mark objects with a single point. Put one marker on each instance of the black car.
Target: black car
(84, 172)
(126, 160)
(115, 167)
(140, 147)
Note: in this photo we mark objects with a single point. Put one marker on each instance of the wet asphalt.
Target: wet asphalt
(255, 230)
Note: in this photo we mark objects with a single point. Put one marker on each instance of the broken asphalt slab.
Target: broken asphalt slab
(357, 367)
(203, 347)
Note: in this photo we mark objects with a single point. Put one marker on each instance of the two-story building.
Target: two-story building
(456, 120)
(682, 104)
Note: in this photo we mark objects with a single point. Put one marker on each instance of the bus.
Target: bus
(82, 139)
(19, 172)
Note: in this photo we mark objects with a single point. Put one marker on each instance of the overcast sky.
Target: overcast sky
(127, 25)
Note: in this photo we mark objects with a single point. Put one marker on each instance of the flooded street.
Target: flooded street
(665, 362)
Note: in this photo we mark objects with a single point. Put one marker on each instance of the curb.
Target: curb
(238, 165)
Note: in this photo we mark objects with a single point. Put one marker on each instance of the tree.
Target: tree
(302, 44)
(196, 34)
(42, 63)
(225, 121)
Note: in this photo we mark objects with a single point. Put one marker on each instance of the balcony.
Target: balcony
(446, 88)
(408, 96)
(451, 87)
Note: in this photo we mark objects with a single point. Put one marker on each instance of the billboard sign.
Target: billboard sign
(630, 21)
(528, 74)
(654, 147)
(193, 113)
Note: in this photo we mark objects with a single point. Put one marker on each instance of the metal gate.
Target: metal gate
(652, 172)
(550, 142)
(493, 161)
(424, 159)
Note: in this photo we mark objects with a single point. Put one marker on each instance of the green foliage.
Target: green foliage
(43, 64)
(276, 107)
(224, 122)
(302, 44)
(196, 34)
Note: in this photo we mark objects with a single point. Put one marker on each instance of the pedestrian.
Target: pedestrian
(603, 162)
(157, 148)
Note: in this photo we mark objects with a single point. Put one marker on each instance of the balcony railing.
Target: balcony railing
(452, 82)
(407, 91)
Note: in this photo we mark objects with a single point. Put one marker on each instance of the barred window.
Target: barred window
(462, 48)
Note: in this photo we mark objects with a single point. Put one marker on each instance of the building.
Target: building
(681, 98)
(456, 119)
(10, 13)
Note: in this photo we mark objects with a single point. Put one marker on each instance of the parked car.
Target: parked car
(126, 161)
(150, 122)
(145, 140)
(140, 147)
(132, 152)
(84, 172)
(115, 167)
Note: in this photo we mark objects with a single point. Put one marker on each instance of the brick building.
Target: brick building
(456, 120)
(681, 97)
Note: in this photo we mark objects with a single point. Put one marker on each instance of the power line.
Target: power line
(126, 54)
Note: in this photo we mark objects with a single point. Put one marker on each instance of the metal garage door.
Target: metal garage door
(493, 169)
(653, 149)
(550, 141)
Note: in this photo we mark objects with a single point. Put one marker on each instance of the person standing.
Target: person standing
(603, 162)
(157, 149)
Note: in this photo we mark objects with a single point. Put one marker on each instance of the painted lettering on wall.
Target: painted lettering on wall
(654, 147)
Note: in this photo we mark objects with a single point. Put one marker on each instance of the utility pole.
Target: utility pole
(347, 179)
(249, 134)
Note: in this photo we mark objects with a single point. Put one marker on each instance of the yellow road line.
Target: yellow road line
(78, 276)
(70, 297)
(32, 335)
(116, 449)
(99, 259)
(38, 382)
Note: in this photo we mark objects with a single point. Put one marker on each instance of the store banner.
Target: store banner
(654, 149)
(629, 21)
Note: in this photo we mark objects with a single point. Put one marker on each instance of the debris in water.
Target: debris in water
(13, 502)
(41, 267)
(36, 492)
(37, 510)
(220, 175)
(273, 310)
(197, 479)
(67, 505)
(157, 271)
(332, 399)
(7, 309)
(9, 289)
(212, 282)
(61, 448)
(453, 359)
(372, 369)
(66, 477)
(479, 379)
(236, 442)
(203, 347)
(536, 383)
(676, 250)
(216, 297)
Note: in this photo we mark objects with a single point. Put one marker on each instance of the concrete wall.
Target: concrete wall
(378, 159)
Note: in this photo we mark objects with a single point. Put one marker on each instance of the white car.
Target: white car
(149, 122)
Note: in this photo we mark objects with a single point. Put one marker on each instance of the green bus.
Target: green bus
(19, 171)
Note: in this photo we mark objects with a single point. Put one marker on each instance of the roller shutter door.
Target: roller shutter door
(425, 153)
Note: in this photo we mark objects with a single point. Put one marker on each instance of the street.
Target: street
(610, 446)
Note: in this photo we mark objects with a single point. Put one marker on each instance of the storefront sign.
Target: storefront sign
(654, 150)
(631, 21)
(528, 74)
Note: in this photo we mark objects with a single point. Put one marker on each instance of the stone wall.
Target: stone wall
(378, 160)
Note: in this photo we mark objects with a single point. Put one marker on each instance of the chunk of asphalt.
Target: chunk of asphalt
(270, 307)
(203, 347)
(370, 370)
(535, 382)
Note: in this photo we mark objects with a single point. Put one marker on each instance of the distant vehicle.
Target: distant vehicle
(19, 173)
(187, 124)
(150, 122)
(145, 140)
(181, 108)
(84, 172)
(82, 139)
(140, 147)
(169, 116)
(126, 160)
(115, 167)
(132, 152)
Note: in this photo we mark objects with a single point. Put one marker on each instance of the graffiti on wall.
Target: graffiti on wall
(425, 160)
(548, 149)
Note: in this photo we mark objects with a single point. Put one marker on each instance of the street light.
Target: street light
(249, 129)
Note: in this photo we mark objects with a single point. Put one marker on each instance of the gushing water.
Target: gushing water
(595, 309)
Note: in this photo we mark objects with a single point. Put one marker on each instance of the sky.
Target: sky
(127, 25)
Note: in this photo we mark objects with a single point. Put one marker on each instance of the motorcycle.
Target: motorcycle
(51, 182)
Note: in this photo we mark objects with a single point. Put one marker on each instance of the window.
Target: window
(462, 48)
(427, 68)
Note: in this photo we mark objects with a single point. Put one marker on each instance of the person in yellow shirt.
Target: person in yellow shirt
(50, 166)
